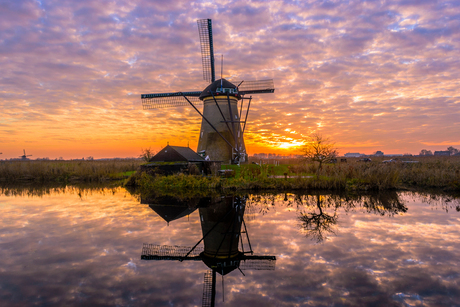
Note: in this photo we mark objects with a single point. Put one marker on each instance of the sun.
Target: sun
(289, 144)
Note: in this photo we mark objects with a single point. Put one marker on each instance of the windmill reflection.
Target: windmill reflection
(320, 217)
(225, 238)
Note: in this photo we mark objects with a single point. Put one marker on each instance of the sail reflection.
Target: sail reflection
(226, 244)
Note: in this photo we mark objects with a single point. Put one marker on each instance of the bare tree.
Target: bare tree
(425, 152)
(147, 154)
(319, 149)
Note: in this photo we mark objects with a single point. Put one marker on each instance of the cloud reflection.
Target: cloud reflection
(387, 250)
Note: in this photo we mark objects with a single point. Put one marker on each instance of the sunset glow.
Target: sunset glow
(369, 75)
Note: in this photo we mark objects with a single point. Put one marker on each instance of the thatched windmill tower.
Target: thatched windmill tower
(222, 128)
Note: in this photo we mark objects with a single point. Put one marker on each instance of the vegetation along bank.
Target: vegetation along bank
(431, 172)
(440, 173)
(66, 171)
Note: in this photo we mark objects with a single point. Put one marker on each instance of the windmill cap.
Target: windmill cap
(216, 86)
(223, 265)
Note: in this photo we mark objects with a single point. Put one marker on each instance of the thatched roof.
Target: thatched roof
(176, 153)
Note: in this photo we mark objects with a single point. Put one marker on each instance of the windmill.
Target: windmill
(221, 223)
(222, 127)
(24, 156)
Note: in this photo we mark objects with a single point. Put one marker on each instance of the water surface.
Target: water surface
(78, 247)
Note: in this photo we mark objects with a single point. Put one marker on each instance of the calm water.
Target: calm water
(84, 248)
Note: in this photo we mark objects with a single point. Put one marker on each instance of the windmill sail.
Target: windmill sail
(207, 49)
(168, 100)
(258, 263)
(222, 130)
(168, 252)
(255, 87)
(209, 288)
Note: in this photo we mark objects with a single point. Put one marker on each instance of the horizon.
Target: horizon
(370, 76)
(277, 155)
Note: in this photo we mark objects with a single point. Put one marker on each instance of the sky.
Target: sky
(368, 75)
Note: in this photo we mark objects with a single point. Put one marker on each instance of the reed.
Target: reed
(41, 190)
(65, 171)
(427, 173)
(440, 173)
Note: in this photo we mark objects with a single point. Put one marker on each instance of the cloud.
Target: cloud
(353, 71)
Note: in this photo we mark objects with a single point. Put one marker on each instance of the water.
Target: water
(83, 248)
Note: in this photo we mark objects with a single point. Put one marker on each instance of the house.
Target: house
(353, 155)
(177, 159)
(442, 153)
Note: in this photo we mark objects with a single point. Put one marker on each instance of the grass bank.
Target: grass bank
(439, 173)
(66, 171)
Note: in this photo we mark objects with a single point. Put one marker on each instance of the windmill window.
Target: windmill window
(227, 90)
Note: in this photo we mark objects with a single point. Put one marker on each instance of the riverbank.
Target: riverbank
(356, 176)
(438, 173)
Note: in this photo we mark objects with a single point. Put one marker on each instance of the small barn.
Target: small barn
(176, 153)
(177, 159)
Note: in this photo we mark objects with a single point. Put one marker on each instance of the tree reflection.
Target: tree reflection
(387, 203)
(318, 213)
(441, 199)
(317, 225)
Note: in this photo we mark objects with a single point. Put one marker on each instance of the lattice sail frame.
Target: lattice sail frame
(207, 289)
(207, 49)
(258, 264)
(169, 100)
(168, 252)
(255, 87)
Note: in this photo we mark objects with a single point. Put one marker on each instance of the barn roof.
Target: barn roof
(176, 153)
(170, 213)
(187, 153)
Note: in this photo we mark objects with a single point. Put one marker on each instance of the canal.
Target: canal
(111, 247)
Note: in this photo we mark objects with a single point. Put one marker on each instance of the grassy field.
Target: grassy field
(66, 171)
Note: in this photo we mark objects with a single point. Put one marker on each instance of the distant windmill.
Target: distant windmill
(24, 156)
(221, 226)
(222, 127)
